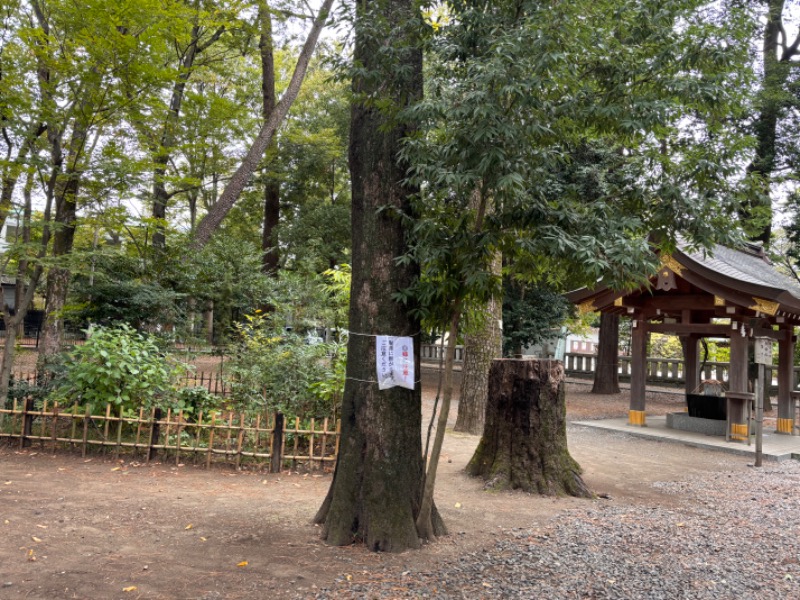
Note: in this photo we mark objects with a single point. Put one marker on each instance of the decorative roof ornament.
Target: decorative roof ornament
(586, 307)
(673, 265)
(765, 306)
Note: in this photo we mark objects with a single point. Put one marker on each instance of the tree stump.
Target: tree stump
(524, 443)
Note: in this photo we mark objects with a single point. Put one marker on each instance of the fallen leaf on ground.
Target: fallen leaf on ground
(35, 539)
(130, 588)
(189, 526)
(458, 504)
(242, 564)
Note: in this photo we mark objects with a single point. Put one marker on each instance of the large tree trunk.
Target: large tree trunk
(524, 443)
(481, 347)
(606, 373)
(376, 491)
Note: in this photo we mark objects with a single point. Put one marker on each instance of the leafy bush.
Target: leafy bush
(121, 366)
(275, 369)
(196, 400)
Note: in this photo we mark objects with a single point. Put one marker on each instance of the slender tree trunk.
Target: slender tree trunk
(425, 524)
(481, 347)
(66, 213)
(376, 491)
(524, 443)
(777, 67)
(269, 242)
(216, 213)
(22, 301)
(606, 374)
(163, 152)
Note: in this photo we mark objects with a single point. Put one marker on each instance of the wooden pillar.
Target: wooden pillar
(636, 414)
(737, 382)
(786, 380)
(691, 370)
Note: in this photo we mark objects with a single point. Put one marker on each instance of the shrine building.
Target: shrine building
(724, 293)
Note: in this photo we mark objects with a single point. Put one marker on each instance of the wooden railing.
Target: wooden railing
(230, 437)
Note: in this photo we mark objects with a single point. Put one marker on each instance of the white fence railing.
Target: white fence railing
(659, 370)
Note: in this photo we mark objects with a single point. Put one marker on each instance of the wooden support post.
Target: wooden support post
(690, 364)
(737, 384)
(276, 460)
(785, 423)
(636, 415)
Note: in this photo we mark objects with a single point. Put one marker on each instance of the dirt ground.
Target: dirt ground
(91, 528)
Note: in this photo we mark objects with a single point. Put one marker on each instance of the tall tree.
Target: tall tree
(776, 100)
(377, 486)
(255, 154)
(203, 34)
(272, 190)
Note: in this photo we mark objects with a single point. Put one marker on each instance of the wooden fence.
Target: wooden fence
(233, 438)
(213, 381)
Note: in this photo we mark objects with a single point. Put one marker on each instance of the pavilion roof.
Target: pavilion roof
(741, 277)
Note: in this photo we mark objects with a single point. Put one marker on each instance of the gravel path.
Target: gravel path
(735, 535)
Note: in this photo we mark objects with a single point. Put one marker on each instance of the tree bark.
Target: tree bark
(272, 190)
(524, 443)
(481, 347)
(376, 492)
(606, 374)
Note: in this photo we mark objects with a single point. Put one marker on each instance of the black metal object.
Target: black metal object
(707, 407)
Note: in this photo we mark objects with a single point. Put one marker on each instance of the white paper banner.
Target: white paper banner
(395, 361)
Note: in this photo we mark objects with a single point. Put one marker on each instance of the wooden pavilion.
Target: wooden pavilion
(738, 294)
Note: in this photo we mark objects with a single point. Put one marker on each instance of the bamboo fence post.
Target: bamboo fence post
(166, 434)
(178, 438)
(258, 433)
(27, 421)
(14, 409)
(85, 431)
(311, 446)
(324, 444)
(228, 436)
(42, 425)
(138, 430)
(119, 434)
(239, 442)
(74, 425)
(211, 440)
(197, 437)
(106, 425)
(296, 441)
(276, 454)
(55, 426)
(338, 435)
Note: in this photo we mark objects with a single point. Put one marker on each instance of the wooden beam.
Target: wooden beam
(703, 329)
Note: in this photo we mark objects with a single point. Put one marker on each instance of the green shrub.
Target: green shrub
(121, 366)
(273, 369)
